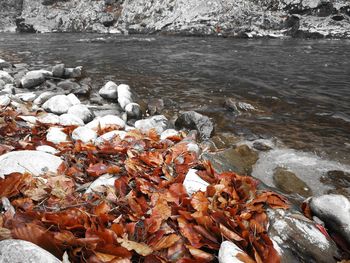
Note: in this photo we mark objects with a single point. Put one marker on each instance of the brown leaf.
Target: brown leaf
(165, 242)
(229, 234)
(140, 248)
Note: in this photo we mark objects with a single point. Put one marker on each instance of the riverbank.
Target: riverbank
(122, 146)
(240, 19)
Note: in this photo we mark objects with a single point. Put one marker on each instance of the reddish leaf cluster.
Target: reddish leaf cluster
(147, 216)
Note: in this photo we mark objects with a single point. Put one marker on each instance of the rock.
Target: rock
(34, 78)
(334, 211)
(67, 119)
(194, 120)
(105, 122)
(73, 72)
(238, 106)
(225, 140)
(68, 85)
(109, 136)
(47, 149)
(49, 118)
(34, 162)
(5, 100)
(155, 106)
(228, 253)
(289, 183)
(4, 64)
(6, 77)
(99, 185)
(158, 122)
(12, 250)
(194, 183)
(84, 134)
(43, 97)
(239, 160)
(263, 145)
(124, 95)
(58, 104)
(8, 89)
(26, 97)
(73, 99)
(133, 111)
(58, 71)
(338, 179)
(29, 119)
(56, 135)
(82, 112)
(109, 90)
(299, 239)
(168, 133)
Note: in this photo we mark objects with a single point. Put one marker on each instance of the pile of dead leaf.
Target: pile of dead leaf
(146, 216)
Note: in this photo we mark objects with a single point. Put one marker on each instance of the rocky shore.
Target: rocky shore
(242, 18)
(86, 180)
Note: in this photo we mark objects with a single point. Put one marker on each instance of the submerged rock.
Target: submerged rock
(334, 211)
(194, 120)
(34, 162)
(12, 250)
(288, 182)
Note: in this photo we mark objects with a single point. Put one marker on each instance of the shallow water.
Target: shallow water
(300, 87)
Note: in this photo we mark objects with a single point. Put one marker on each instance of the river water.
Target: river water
(301, 88)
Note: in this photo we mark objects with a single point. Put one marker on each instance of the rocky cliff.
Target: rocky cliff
(237, 18)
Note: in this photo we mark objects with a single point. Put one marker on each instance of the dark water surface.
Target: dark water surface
(301, 87)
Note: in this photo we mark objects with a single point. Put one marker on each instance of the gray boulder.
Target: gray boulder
(27, 96)
(15, 251)
(68, 85)
(73, 72)
(133, 111)
(34, 162)
(6, 77)
(58, 104)
(196, 121)
(124, 95)
(82, 112)
(43, 97)
(158, 122)
(67, 119)
(58, 70)
(109, 90)
(4, 64)
(34, 78)
(5, 100)
(334, 211)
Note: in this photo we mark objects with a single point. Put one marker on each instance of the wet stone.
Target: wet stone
(289, 183)
(196, 121)
(338, 179)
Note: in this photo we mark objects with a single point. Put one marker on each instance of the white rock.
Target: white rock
(29, 119)
(27, 97)
(82, 112)
(5, 100)
(105, 121)
(12, 250)
(34, 162)
(47, 149)
(9, 89)
(58, 104)
(70, 119)
(43, 97)
(110, 136)
(84, 134)
(133, 111)
(49, 118)
(6, 77)
(73, 72)
(56, 135)
(100, 183)
(168, 133)
(73, 99)
(109, 90)
(194, 183)
(34, 78)
(124, 95)
(157, 122)
(228, 253)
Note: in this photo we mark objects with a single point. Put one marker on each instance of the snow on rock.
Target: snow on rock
(14, 250)
(56, 135)
(194, 183)
(124, 95)
(47, 149)
(109, 90)
(58, 104)
(82, 112)
(110, 136)
(105, 121)
(70, 119)
(49, 118)
(334, 211)
(34, 162)
(100, 183)
(158, 122)
(228, 253)
(84, 134)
